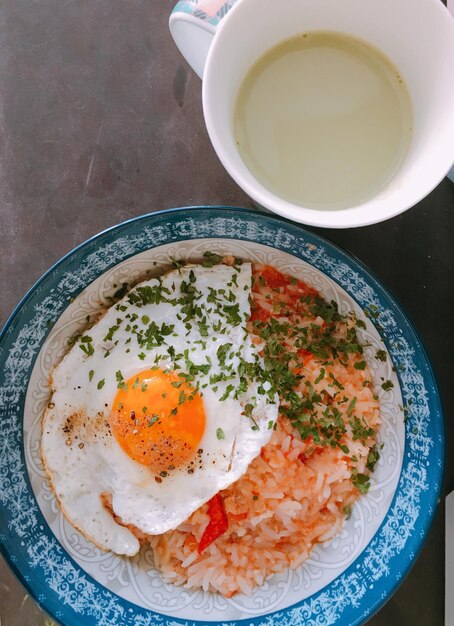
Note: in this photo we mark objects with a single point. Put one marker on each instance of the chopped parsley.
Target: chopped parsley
(153, 419)
(327, 311)
(361, 481)
(380, 355)
(360, 365)
(111, 332)
(351, 406)
(149, 294)
(222, 352)
(372, 458)
(228, 391)
(336, 382)
(210, 259)
(360, 430)
(232, 313)
(154, 335)
(120, 381)
(86, 345)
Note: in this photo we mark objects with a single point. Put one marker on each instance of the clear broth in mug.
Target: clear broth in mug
(323, 120)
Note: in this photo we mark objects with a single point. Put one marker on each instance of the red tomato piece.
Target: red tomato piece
(217, 525)
(260, 314)
(273, 278)
(305, 355)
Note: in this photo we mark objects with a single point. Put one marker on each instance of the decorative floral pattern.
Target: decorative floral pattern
(27, 539)
(211, 11)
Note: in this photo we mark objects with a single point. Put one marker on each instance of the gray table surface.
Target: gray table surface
(100, 121)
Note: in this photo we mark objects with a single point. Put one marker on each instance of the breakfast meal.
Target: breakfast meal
(223, 414)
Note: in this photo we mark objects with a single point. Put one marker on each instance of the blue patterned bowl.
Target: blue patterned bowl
(342, 583)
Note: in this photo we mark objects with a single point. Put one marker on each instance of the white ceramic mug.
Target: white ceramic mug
(223, 39)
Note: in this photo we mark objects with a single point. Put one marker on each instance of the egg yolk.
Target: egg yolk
(158, 419)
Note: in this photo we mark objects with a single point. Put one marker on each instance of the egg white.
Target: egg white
(80, 453)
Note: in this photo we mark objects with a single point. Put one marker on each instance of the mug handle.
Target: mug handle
(193, 24)
(451, 173)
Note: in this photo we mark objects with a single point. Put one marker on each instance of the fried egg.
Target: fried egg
(158, 406)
